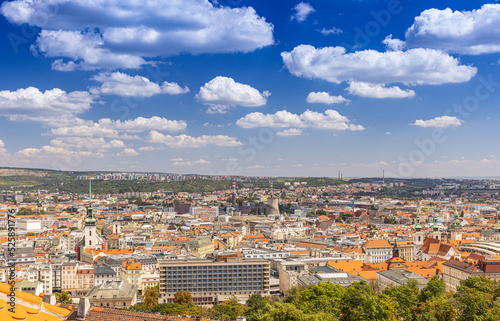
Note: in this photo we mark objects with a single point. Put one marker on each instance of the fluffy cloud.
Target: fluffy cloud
(128, 152)
(106, 127)
(411, 67)
(121, 84)
(143, 124)
(440, 122)
(127, 34)
(93, 130)
(185, 162)
(302, 11)
(222, 93)
(331, 119)
(365, 89)
(325, 98)
(290, 132)
(185, 141)
(86, 143)
(466, 32)
(2, 144)
(50, 107)
(52, 152)
(394, 44)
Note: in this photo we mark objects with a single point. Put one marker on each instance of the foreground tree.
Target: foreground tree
(183, 297)
(405, 296)
(361, 303)
(151, 297)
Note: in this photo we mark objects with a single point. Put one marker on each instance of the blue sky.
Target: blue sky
(248, 87)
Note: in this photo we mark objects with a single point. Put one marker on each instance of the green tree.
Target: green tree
(229, 309)
(183, 297)
(324, 297)
(321, 212)
(360, 303)
(256, 304)
(281, 311)
(63, 297)
(405, 296)
(151, 296)
(440, 309)
(293, 295)
(434, 289)
(474, 300)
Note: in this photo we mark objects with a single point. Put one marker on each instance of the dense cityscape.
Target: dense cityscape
(255, 252)
(249, 160)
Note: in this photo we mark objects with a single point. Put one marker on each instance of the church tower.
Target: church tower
(90, 228)
(435, 229)
(456, 228)
(418, 236)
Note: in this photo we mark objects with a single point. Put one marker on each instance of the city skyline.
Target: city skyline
(252, 88)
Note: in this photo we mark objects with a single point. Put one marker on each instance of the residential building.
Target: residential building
(116, 294)
(103, 273)
(377, 251)
(455, 271)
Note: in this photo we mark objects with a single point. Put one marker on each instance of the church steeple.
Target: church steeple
(456, 222)
(418, 227)
(435, 227)
(90, 219)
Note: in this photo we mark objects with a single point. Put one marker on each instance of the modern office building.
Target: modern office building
(211, 282)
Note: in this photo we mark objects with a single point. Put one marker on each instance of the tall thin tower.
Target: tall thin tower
(233, 196)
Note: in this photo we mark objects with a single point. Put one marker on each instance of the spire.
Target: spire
(90, 192)
(435, 227)
(90, 219)
(456, 222)
(395, 249)
(418, 227)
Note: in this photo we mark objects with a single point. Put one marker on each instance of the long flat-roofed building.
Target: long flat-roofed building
(211, 282)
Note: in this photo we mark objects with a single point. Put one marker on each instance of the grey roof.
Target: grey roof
(117, 259)
(112, 290)
(324, 269)
(103, 269)
(402, 277)
(343, 279)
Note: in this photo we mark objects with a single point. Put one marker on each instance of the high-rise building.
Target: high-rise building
(211, 282)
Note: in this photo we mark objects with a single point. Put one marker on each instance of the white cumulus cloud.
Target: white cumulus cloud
(222, 93)
(465, 32)
(439, 122)
(302, 11)
(325, 98)
(86, 143)
(365, 89)
(185, 141)
(411, 67)
(106, 127)
(394, 44)
(128, 34)
(50, 107)
(121, 84)
(331, 119)
(128, 152)
(290, 132)
(2, 144)
(53, 152)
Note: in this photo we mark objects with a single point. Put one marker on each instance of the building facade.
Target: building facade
(211, 282)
